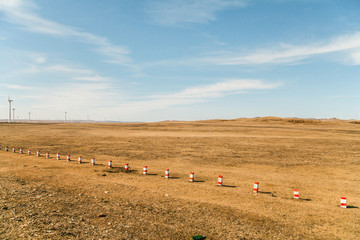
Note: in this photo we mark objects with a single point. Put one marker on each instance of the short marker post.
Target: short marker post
(220, 180)
(92, 161)
(126, 167)
(21, 151)
(47, 155)
(256, 187)
(79, 160)
(58, 156)
(6, 149)
(343, 202)
(296, 193)
(68, 158)
(145, 170)
(167, 173)
(191, 178)
(14, 150)
(110, 164)
(29, 152)
(38, 153)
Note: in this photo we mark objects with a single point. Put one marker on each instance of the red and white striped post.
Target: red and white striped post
(29, 152)
(68, 158)
(6, 149)
(110, 164)
(220, 180)
(58, 156)
(47, 155)
(14, 150)
(21, 151)
(191, 179)
(145, 170)
(343, 202)
(256, 187)
(296, 193)
(79, 160)
(38, 153)
(126, 167)
(92, 161)
(167, 173)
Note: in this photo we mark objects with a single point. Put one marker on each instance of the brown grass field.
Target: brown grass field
(54, 199)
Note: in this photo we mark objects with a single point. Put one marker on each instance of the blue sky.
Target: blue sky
(155, 60)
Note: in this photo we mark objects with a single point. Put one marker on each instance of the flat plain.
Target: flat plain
(55, 199)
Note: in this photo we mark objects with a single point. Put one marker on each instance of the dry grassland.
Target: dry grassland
(55, 199)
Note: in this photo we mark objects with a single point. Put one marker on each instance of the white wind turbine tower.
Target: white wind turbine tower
(9, 100)
(13, 115)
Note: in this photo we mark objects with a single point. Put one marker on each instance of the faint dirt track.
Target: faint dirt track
(54, 199)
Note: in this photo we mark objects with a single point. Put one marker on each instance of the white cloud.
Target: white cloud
(22, 13)
(40, 60)
(197, 94)
(95, 78)
(172, 12)
(67, 69)
(16, 86)
(355, 57)
(218, 89)
(346, 44)
(4, 4)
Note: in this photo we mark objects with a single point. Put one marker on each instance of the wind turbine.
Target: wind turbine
(13, 115)
(9, 100)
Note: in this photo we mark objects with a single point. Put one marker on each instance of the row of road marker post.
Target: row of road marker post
(343, 202)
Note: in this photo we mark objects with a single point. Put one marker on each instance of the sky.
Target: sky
(154, 60)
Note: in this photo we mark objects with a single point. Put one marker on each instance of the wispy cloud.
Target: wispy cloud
(346, 44)
(16, 86)
(70, 73)
(95, 78)
(23, 13)
(78, 99)
(67, 69)
(204, 92)
(198, 94)
(173, 12)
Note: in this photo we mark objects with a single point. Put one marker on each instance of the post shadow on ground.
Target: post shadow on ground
(268, 193)
(173, 178)
(199, 181)
(229, 186)
(151, 174)
(352, 207)
(305, 199)
(99, 164)
(112, 170)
